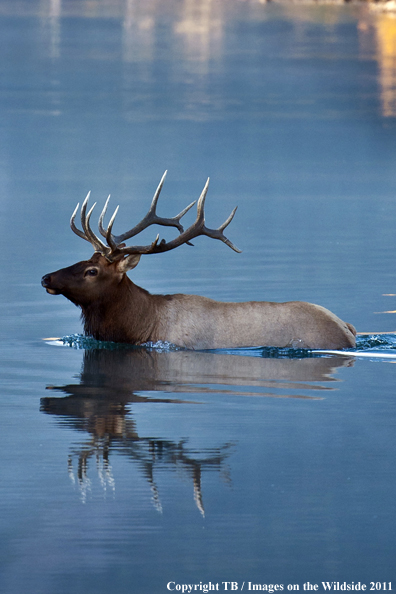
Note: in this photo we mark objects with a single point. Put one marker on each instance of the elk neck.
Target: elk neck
(126, 314)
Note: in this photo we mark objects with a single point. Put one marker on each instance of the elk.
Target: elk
(114, 309)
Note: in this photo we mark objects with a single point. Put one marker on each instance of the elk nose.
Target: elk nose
(46, 280)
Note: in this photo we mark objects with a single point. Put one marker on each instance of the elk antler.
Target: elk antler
(116, 249)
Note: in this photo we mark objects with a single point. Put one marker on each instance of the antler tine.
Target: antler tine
(153, 206)
(174, 221)
(111, 241)
(73, 225)
(148, 219)
(200, 220)
(181, 214)
(214, 233)
(102, 230)
(199, 228)
(109, 237)
(89, 234)
(218, 233)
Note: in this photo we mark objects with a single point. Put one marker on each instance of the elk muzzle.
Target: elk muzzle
(46, 283)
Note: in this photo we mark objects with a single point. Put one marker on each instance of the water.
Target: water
(127, 469)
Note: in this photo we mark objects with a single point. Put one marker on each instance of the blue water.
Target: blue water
(126, 469)
(365, 344)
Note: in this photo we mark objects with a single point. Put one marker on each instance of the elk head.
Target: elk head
(92, 280)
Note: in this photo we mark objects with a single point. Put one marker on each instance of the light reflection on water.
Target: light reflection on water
(265, 466)
(201, 26)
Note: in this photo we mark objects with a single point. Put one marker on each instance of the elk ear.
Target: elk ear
(128, 263)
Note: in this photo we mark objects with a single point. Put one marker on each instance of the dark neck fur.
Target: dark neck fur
(127, 315)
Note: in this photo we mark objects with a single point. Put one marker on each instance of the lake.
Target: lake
(150, 469)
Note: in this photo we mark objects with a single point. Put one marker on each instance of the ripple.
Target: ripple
(79, 341)
(379, 342)
(370, 343)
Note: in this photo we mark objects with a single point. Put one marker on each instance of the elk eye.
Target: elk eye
(91, 272)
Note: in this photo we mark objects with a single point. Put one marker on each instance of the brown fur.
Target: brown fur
(114, 308)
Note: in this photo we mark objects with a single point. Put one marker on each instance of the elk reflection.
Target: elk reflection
(149, 454)
(111, 381)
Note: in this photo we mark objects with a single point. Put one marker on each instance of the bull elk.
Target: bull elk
(115, 309)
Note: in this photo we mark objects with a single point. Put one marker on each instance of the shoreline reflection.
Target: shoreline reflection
(198, 29)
